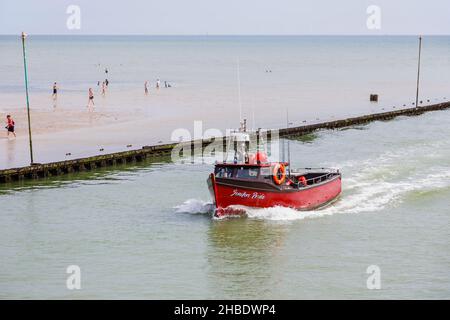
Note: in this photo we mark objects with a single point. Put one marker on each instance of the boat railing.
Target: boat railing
(327, 175)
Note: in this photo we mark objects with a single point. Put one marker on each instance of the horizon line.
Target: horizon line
(230, 35)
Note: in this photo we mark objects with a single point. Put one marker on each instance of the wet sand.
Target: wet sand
(128, 117)
(113, 125)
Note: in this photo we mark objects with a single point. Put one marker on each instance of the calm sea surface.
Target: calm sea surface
(147, 231)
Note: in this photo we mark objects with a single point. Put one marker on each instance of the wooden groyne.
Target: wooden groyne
(148, 152)
(389, 115)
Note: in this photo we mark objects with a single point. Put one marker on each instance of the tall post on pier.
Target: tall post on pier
(418, 72)
(28, 102)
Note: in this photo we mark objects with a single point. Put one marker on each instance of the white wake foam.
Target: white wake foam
(361, 193)
(283, 214)
(195, 206)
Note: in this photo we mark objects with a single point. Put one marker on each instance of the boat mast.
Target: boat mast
(288, 145)
(239, 91)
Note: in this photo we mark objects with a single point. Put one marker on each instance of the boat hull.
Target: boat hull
(308, 198)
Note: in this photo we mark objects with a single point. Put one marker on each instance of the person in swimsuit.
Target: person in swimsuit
(158, 84)
(55, 91)
(91, 103)
(146, 87)
(103, 88)
(10, 125)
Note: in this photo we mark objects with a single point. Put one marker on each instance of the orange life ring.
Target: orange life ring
(279, 169)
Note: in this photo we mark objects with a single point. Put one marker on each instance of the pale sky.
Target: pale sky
(231, 17)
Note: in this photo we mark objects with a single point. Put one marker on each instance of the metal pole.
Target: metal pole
(239, 90)
(418, 71)
(28, 102)
(288, 144)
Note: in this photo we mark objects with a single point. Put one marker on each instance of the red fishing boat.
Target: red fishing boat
(251, 180)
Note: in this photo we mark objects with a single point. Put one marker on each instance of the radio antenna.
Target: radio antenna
(288, 144)
(239, 90)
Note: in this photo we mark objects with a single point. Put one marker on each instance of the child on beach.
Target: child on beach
(10, 125)
(91, 103)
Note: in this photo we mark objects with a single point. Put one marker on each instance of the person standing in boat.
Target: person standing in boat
(91, 103)
(10, 125)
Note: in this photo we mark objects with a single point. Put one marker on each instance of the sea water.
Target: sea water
(147, 231)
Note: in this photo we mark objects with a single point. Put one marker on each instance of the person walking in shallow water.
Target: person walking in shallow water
(91, 103)
(55, 92)
(158, 84)
(146, 87)
(10, 125)
(103, 88)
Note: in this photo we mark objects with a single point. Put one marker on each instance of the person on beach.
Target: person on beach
(91, 103)
(146, 87)
(103, 88)
(106, 82)
(55, 91)
(158, 84)
(10, 125)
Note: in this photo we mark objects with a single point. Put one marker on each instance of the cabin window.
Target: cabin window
(224, 172)
(247, 173)
(266, 172)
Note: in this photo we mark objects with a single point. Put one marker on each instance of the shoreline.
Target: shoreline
(91, 163)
